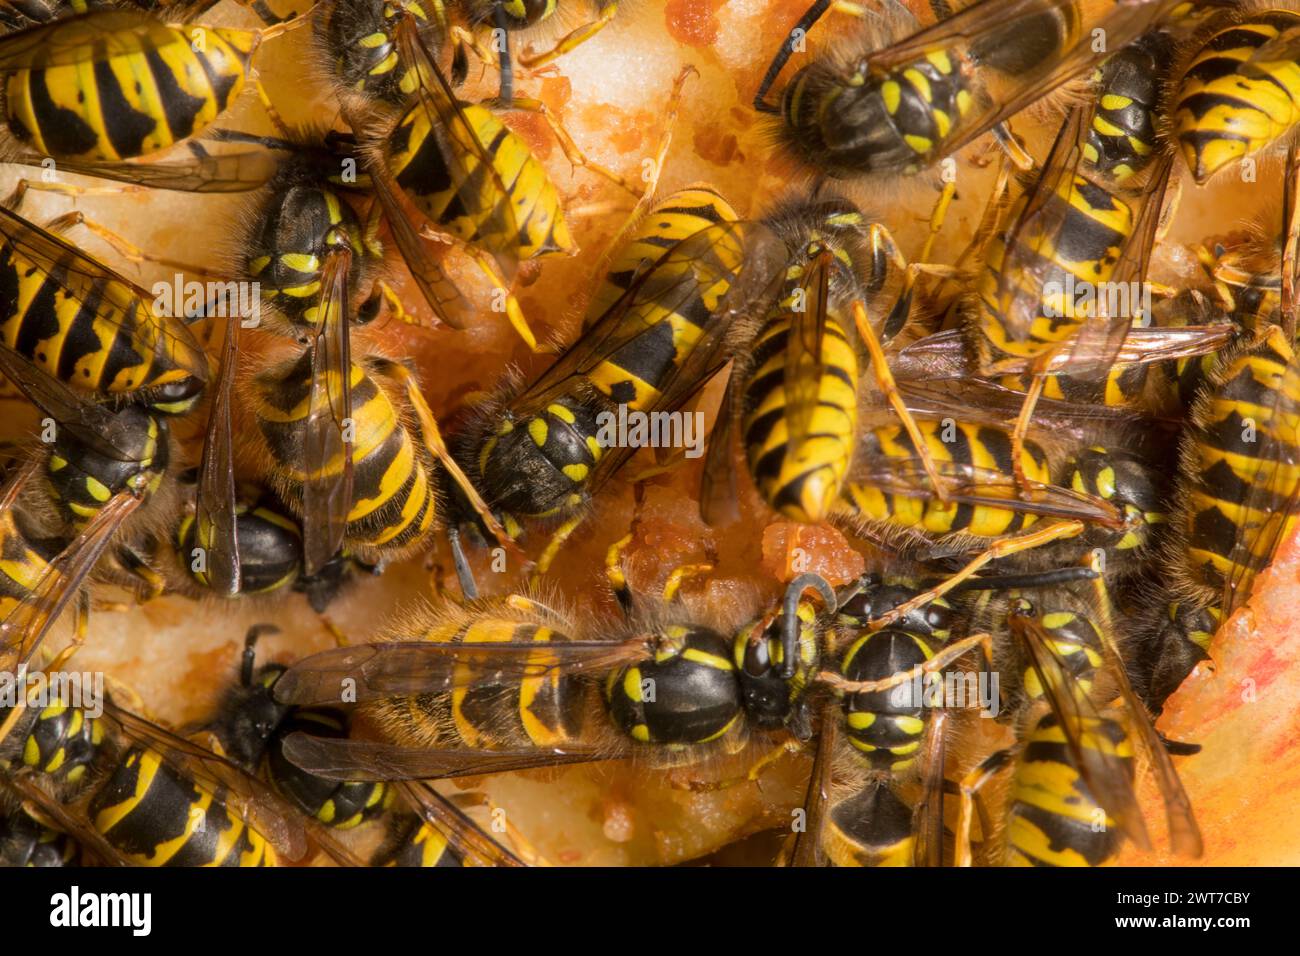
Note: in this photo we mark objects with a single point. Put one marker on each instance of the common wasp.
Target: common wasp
(904, 107)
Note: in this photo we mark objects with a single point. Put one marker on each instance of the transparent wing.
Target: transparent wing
(327, 490)
(403, 668)
(214, 503)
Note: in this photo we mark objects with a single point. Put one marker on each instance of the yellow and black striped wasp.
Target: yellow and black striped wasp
(544, 452)
(797, 395)
(69, 502)
(904, 107)
(137, 794)
(1236, 497)
(1240, 92)
(1072, 799)
(250, 728)
(452, 171)
(98, 87)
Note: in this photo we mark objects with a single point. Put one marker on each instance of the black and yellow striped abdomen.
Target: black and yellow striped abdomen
(154, 816)
(687, 693)
(101, 335)
(539, 466)
(140, 87)
(1055, 820)
(24, 560)
(1242, 460)
(83, 479)
(801, 479)
(870, 828)
(1025, 300)
(1123, 384)
(664, 333)
(416, 161)
(393, 492)
(270, 549)
(885, 728)
(1122, 140)
(340, 804)
(1233, 101)
(531, 711)
(862, 123)
(421, 845)
(957, 444)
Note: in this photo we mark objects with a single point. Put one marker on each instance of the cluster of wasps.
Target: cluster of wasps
(995, 440)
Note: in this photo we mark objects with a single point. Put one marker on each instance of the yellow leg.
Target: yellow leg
(889, 388)
(946, 656)
(751, 776)
(661, 156)
(969, 789)
(1054, 531)
(123, 246)
(572, 152)
(432, 435)
(570, 41)
(553, 545)
(466, 40)
(615, 576)
(272, 112)
(23, 186)
(394, 303)
(1038, 380)
(1013, 147)
(679, 576)
(990, 219)
(514, 312)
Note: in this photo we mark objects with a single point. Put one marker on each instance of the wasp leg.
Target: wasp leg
(272, 111)
(514, 312)
(523, 848)
(432, 435)
(572, 151)
(1054, 531)
(150, 585)
(947, 655)
(889, 389)
(794, 43)
(755, 771)
(572, 40)
(1042, 363)
(1013, 147)
(553, 545)
(651, 176)
(121, 245)
(679, 576)
(15, 199)
(969, 788)
(616, 577)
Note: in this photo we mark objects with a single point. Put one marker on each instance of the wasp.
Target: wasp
(1235, 498)
(69, 503)
(136, 794)
(796, 398)
(544, 451)
(127, 85)
(1072, 801)
(1240, 93)
(885, 742)
(470, 179)
(250, 729)
(509, 684)
(25, 841)
(902, 108)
